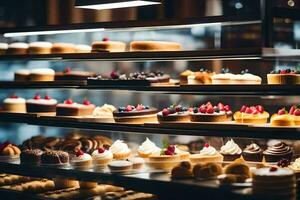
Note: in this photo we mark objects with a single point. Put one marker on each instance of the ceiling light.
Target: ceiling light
(112, 4)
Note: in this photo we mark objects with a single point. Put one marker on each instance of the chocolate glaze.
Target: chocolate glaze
(54, 157)
(278, 149)
(32, 156)
(149, 111)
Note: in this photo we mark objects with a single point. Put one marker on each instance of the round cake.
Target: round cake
(253, 114)
(277, 152)
(154, 46)
(39, 105)
(31, 156)
(14, 104)
(70, 108)
(107, 45)
(3, 48)
(22, 75)
(40, 48)
(284, 77)
(58, 48)
(174, 113)
(17, 48)
(44, 74)
(135, 115)
(52, 157)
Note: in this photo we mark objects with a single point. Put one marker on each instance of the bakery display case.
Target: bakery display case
(177, 100)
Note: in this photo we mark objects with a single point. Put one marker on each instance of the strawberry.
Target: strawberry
(37, 97)
(202, 109)
(169, 153)
(171, 148)
(178, 108)
(210, 110)
(140, 107)
(129, 108)
(79, 153)
(256, 112)
(260, 108)
(227, 108)
(243, 109)
(47, 97)
(221, 106)
(297, 112)
(292, 110)
(273, 169)
(191, 109)
(165, 112)
(114, 75)
(282, 111)
(283, 71)
(248, 111)
(106, 39)
(101, 150)
(67, 70)
(253, 108)
(69, 101)
(86, 102)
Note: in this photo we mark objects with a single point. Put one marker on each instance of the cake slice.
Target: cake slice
(70, 108)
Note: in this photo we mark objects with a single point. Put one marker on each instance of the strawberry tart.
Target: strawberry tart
(14, 104)
(41, 105)
(135, 114)
(209, 113)
(285, 118)
(174, 113)
(283, 77)
(252, 114)
(70, 108)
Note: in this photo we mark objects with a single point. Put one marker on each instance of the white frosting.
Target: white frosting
(278, 172)
(81, 158)
(14, 100)
(179, 151)
(105, 111)
(105, 155)
(231, 148)
(119, 147)
(148, 147)
(41, 44)
(223, 76)
(208, 151)
(83, 47)
(18, 45)
(23, 71)
(120, 163)
(43, 71)
(246, 77)
(3, 46)
(74, 105)
(136, 160)
(296, 165)
(42, 101)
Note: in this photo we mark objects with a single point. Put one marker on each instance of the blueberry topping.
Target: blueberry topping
(195, 110)
(122, 109)
(217, 110)
(172, 110)
(147, 107)
(288, 70)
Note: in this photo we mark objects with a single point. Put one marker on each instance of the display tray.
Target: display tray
(42, 84)
(78, 119)
(110, 83)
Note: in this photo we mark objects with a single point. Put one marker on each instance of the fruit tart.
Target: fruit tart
(209, 113)
(285, 118)
(135, 115)
(284, 77)
(174, 113)
(254, 114)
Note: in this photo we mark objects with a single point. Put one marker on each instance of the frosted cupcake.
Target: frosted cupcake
(81, 161)
(231, 151)
(120, 150)
(147, 148)
(102, 157)
(207, 154)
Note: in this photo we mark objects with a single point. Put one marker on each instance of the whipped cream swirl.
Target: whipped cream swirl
(252, 149)
(148, 147)
(81, 158)
(105, 155)
(208, 151)
(119, 147)
(231, 148)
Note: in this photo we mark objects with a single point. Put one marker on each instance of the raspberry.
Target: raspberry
(165, 112)
(37, 97)
(79, 153)
(69, 101)
(86, 102)
(101, 150)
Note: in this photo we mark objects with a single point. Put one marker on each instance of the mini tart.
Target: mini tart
(277, 152)
(148, 148)
(184, 77)
(120, 150)
(120, 166)
(106, 45)
(81, 161)
(31, 156)
(164, 162)
(207, 154)
(282, 120)
(200, 78)
(184, 155)
(154, 46)
(59, 48)
(17, 48)
(174, 113)
(22, 75)
(69, 108)
(39, 105)
(44, 74)
(253, 114)
(209, 113)
(14, 104)
(102, 157)
(284, 77)
(135, 115)
(40, 48)
(231, 151)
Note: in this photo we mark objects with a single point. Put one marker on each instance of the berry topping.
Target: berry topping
(210, 110)
(273, 169)
(248, 110)
(101, 150)
(283, 163)
(260, 108)
(14, 97)
(206, 145)
(297, 112)
(292, 110)
(140, 107)
(283, 72)
(129, 108)
(202, 109)
(106, 39)
(178, 108)
(67, 70)
(170, 150)
(243, 109)
(282, 111)
(47, 97)
(37, 97)
(227, 108)
(79, 153)
(114, 75)
(69, 101)
(165, 112)
(221, 106)
(86, 102)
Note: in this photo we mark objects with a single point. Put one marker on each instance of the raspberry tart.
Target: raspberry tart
(70, 108)
(285, 118)
(254, 114)
(174, 113)
(135, 115)
(284, 77)
(14, 104)
(209, 113)
(41, 105)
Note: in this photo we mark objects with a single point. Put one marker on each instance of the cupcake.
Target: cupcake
(147, 148)
(120, 150)
(102, 157)
(231, 151)
(9, 152)
(81, 161)
(31, 156)
(277, 152)
(253, 153)
(207, 154)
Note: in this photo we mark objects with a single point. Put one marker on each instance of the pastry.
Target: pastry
(52, 157)
(137, 163)
(184, 76)
(295, 166)
(207, 170)
(253, 114)
(9, 179)
(71, 146)
(61, 183)
(68, 74)
(14, 104)
(35, 186)
(44, 74)
(81, 161)
(39, 48)
(69, 108)
(83, 48)
(39, 105)
(51, 143)
(105, 112)
(148, 148)
(3, 48)
(174, 113)
(183, 170)
(22, 75)
(200, 78)
(58, 48)
(229, 179)
(35, 142)
(238, 167)
(120, 150)
(135, 115)
(154, 46)
(209, 113)
(227, 78)
(128, 195)
(17, 48)
(231, 151)
(87, 185)
(31, 156)
(277, 152)
(9, 152)
(274, 183)
(120, 166)
(102, 157)
(207, 154)
(184, 155)
(284, 118)
(253, 153)
(107, 45)
(284, 77)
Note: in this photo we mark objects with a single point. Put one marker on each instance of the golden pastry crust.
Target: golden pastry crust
(58, 48)
(283, 79)
(10, 150)
(238, 167)
(282, 120)
(251, 118)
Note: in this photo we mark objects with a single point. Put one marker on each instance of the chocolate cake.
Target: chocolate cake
(31, 156)
(52, 157)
